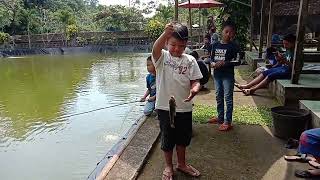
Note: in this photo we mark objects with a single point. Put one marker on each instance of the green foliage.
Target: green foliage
(154, 28)
(240, 15)
(241, 114)
(118, 17)
(71, 31)
(4, 37)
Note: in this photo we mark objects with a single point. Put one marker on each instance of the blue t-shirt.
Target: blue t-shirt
(151, 84)
(228, 54)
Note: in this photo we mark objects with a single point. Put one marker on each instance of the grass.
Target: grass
(241, 114)
(243, 72)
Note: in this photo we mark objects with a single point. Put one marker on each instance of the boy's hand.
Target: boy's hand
(218, 64)
(191, 95)
(168, 30)
(143, 99)
(153, 98)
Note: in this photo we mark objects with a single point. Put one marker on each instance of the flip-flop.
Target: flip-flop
(314, 164)
(305, 174)
(303, 158)
(292, 143)
(166, 175)
(191, 171)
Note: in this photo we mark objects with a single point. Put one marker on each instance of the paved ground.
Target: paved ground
(245, 153)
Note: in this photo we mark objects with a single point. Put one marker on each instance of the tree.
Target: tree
(120, 18)
(4, 17)
(240, 18)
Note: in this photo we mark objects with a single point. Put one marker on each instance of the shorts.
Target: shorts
(281, 72)
(180, 135)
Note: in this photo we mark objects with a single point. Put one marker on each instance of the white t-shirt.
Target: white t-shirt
(173, 76)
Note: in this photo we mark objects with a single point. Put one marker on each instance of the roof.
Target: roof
(291, 7)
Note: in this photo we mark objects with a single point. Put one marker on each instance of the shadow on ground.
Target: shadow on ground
(245, 153)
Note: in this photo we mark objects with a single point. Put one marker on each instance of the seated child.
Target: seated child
(151, 91)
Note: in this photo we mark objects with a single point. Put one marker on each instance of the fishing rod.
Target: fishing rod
(107, 107)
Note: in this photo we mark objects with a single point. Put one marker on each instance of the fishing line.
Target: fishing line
(107, 107)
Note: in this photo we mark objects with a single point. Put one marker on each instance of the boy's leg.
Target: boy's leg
(219, 97)
(148, 108)
(183, 123)
(228, 94)
(167, 140)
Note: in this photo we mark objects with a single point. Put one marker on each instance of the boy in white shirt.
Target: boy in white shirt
(177, 75)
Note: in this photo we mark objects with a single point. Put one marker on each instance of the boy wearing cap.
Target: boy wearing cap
(177, 75)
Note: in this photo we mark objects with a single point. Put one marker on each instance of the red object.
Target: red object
(201, 4)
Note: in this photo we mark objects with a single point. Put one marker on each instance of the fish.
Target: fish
(172, 110)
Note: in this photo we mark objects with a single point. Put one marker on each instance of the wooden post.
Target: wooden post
(298, 54)
(262, 29)
(190, 24)
(176, 10)
(270, 24)
(253, 12)
(318, 48)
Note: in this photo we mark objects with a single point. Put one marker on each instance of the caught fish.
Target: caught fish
(172, 110)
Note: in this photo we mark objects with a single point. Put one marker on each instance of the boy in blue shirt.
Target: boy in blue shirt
(223, 57)
(151, 91)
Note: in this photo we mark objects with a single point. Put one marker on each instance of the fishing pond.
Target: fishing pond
(44, 130)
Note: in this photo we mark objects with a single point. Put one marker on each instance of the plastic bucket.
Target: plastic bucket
(289, 122)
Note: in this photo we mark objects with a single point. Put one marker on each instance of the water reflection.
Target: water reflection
(36, 91)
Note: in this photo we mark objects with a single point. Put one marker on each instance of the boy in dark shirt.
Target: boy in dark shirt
(223, 60)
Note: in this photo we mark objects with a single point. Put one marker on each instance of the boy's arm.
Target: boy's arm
(152, 98)
(195, 88)
(146, 94)
(161, 41)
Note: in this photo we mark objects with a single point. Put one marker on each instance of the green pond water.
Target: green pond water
(36, 92)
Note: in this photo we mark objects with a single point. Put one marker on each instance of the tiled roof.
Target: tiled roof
(289, 8)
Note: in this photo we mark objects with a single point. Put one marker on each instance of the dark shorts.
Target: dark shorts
(180, 135)
(280, 72)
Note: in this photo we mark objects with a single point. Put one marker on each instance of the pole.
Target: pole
(298, 52)
(190, 24)
(176, 16)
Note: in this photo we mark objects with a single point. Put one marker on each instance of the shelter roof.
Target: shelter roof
(291, 7)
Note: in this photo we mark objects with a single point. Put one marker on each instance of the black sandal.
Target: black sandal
(304, 174)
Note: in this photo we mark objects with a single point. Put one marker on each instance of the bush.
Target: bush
(154, 28)
(4, 37)
(72, 31)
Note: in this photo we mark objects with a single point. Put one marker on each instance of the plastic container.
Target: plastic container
(289, 122)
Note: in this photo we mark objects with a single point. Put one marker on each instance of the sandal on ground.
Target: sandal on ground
(238, 86)
(314, 164)
(166, 175)
(292, 143)
(305, 174)
(303, 158)
(247, 92)
(190, 170)
(225, 127)
(214, 120)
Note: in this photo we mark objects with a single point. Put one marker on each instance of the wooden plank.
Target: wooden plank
(270, 23)
(298, 54)
(262, 29)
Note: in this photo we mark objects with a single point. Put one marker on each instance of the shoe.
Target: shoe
(225, 127)
(214, 120)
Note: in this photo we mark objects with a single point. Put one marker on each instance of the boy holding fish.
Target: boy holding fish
(177, 82)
